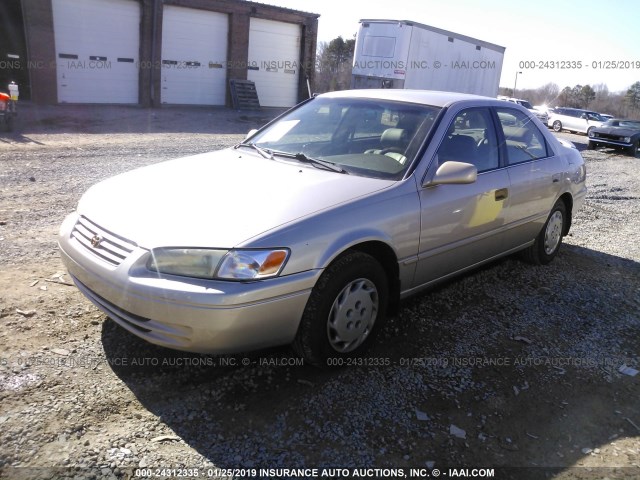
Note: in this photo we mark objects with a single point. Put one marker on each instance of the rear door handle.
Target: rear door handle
(502, 194)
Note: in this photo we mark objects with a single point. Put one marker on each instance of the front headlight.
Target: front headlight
(188, 262)
(627, 139)
(221, 264)
(252, 264)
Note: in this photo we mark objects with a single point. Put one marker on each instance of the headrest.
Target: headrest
(393, 135)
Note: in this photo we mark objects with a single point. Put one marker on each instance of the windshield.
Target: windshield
(623, 123)
(374, 138)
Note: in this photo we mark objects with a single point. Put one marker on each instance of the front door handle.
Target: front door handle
(502, 194)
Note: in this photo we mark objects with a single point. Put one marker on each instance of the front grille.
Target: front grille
(102, 243)
(610, 136)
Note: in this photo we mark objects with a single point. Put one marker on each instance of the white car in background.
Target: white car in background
(574, 119)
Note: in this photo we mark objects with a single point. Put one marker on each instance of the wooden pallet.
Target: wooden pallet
(244, 95)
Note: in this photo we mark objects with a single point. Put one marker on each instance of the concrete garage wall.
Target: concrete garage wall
(39, 32)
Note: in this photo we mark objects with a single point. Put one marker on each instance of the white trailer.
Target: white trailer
(405, 54)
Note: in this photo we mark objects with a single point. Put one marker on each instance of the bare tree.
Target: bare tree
(595, 97)
(548, 94)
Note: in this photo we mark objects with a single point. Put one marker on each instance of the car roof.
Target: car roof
(579, 110)
(427, 97)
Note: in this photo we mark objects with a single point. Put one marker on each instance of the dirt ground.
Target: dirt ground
(512, 367)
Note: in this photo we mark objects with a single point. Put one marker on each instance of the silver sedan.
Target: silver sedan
(306, 232)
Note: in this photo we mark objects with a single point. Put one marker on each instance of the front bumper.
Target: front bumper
(613, 143)
(196, 315)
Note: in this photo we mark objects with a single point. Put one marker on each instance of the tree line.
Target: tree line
(335, 58)
(597, 98)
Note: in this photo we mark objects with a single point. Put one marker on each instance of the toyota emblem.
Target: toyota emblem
(95, 241)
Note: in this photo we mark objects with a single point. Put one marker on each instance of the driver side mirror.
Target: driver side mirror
(453, 173)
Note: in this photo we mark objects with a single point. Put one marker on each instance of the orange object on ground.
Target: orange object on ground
(4, 101)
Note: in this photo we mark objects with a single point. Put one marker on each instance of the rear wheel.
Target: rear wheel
(557, 126)
(345, 310)
(549, 240)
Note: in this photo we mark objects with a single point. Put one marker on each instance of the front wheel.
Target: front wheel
(591, 145)
(633, 149)
(345, 310)
(548, 241)
(557, 126)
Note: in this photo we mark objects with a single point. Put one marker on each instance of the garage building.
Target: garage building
(166, 52)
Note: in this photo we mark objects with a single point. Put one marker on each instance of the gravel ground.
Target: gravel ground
(510, 366)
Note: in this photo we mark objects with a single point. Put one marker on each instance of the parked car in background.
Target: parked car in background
(606, 116)
(617, 133)
(541, 114)
(307, 231)
(574, 119)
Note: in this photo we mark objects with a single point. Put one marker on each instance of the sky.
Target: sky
(603, 36)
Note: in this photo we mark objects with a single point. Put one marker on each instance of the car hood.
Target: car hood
(218, 199)
(622, 131)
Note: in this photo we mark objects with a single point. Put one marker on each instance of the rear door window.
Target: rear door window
(523, 141)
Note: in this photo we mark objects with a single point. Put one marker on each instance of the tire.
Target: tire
(633, 149)
(592, 145)
(548, 242)
(589, 130)
(557, 126)
(345, 310)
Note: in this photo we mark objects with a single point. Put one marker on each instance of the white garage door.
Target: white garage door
(274, 58)
(97, 50)
(194, 55)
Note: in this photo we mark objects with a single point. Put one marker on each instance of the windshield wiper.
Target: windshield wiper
(265, 153)
(301, 157)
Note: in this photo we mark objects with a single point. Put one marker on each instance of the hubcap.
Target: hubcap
(352, 315)
(553, 233)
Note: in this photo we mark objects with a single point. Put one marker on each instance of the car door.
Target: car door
(582, 122)
(534, 176)
(593, 120)
(570, 120)
(461, 224)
